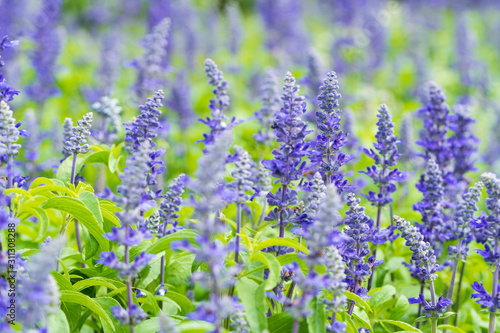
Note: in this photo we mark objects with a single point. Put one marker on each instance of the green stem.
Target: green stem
(433, 300)
(452, 282)
(129, 285)
(238, 231)
(494, 292)
(459, 289)
(370, 280)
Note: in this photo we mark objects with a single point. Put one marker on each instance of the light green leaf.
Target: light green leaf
(44, 223)
(252, 295)
(274, 268)
(76, 208)
(381, 295)
(359, 301)
(400, 308)
(91, 202)
(402, 325)
(281, 242)
(81, 299)
(164, 243)
(58, 322)
(316, 321)
(451, 328)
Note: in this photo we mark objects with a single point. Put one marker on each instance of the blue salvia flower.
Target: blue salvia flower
(271, 105)
(325, 154)
(490, 227)
(287, 166)
(132, 188)
(463, 47)
(144, 129)
(67, 133)
(7, 93)
(321, 235)
(334, 270)
(9, 148)
(218, 105)
(180, 101)
(239, 322)
(170, 206)
(209, 250)
(406, 149)
(424, 258)
(32, 143)
(150, 67)
(77, 142)
(34, 301)
(433, 226)
(463, 143)
(385, 156)
(356, 249)
(109, 70)
(109, 109)
(433, 137)
(313, 81)
(44, 58)
(243, 175)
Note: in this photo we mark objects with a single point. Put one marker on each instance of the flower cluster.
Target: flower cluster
(463, 143)
(356, 249)
(429, 309)
(218, 105)
(423, 255)
(271, 104)
(7, 93)
(76, 142)
(144, 129)
(150, 65)
(180, 101)
(433, 137)
(170, 206)
(243, 177)
(431, 207)
(290, 131)
(325, 152)
(385, 158)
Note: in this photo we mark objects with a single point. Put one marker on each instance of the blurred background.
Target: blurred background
(74, 52)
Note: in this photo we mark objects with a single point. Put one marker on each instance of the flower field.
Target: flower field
(277, 166)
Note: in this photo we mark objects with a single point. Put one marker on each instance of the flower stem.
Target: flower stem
(9, 172)
(238, 231)
(379, 212)
(420, 305)
(452, 282)
(295, 326)
(459, 289)
(129, 285)
(494, 292)
(433, 300)
(77, 227)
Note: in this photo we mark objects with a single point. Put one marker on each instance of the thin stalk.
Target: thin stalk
(129, 285)
(350, 308)
(370, 280)
(9, 171)
(391, 213)
(452, 282)
(328, 177)
(238, 231)
(459, 289)
(433, 300)
(77, 227)
(420, 305)
(282, 226)
(494, 293)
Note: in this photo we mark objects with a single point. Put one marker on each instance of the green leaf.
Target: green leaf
(107, 303)
(316, 321)
(91, 202)
(362, 317)
(58, 322)
(400, 308)
(252, 295)
(93, 282)
(359, 301)
(181, 300)
(446, 315)
(81, 299)
(274, 268)
(62, 282)
(64, 170)
(381, 295)
(44, 223)
(281, 242)
(293, 257)
(280, 323)
(76, 208)
(148, 326)
(400, 324)
(451, 328)
(164, 243)
(195, 326)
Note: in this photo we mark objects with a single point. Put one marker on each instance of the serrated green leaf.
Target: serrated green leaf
(402, 325)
